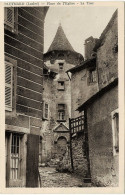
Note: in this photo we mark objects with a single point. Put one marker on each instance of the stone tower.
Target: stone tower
(57, 94)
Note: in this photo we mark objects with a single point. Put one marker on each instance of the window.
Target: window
(10, 84)
(61, 66)
(115, 128)
(45, 111)
(61, 112)
(92, 76)
(15, 157)
(61, 85)
(11, 18)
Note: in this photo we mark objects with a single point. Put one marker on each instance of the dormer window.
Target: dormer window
(61, 66)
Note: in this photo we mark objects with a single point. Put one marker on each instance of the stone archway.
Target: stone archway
(61, 147)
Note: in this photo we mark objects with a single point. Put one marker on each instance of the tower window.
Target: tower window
(61, 112)
(61, 66)
(61, 85)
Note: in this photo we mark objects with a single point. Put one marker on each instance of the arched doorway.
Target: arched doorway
(61, 147)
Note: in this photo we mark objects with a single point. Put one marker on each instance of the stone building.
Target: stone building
(84, 84)
(24, 39)
(57, 96)
(100, 108)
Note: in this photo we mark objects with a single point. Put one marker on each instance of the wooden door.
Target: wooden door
(32, 160)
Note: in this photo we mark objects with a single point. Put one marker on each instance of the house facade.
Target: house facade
(100, 107)
(84, 84)
(24, 39)
(102, 111)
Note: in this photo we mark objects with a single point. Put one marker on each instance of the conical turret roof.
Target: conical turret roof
(60, 42)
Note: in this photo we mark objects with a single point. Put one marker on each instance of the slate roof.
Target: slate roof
(60, 42)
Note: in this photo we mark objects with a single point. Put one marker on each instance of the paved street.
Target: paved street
(51, 178)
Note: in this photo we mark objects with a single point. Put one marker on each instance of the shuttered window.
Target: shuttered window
(92, 76)
(9, 16)
(8, 85)
(45, 110)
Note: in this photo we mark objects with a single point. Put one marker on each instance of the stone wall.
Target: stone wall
(107, 55)
(78, 155)
(103, 164)
(81, 90)
(53, 97)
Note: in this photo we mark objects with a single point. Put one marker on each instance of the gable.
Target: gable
(61, 128)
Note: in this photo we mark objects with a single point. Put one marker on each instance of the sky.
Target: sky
(78, 23)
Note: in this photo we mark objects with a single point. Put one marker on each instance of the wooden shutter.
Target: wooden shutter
(44, 110)
(9, 16)
(8, 85)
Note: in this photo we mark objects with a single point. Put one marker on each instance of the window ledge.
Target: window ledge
(60, 89)
(11, 29)
(92, 83)
(8, 109)
(61, 120)
(46, 119)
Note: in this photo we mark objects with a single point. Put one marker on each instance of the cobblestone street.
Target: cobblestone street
(51, 178)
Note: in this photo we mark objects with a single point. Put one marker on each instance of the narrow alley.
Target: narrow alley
(52, 178)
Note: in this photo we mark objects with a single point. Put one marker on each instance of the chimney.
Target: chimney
(89, 45)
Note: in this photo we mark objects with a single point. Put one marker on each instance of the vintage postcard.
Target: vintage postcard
(62, 97)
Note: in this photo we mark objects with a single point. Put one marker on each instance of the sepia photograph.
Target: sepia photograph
(61, 96)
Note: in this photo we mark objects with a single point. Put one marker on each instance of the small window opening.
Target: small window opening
(61, 66)
(61, 85)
